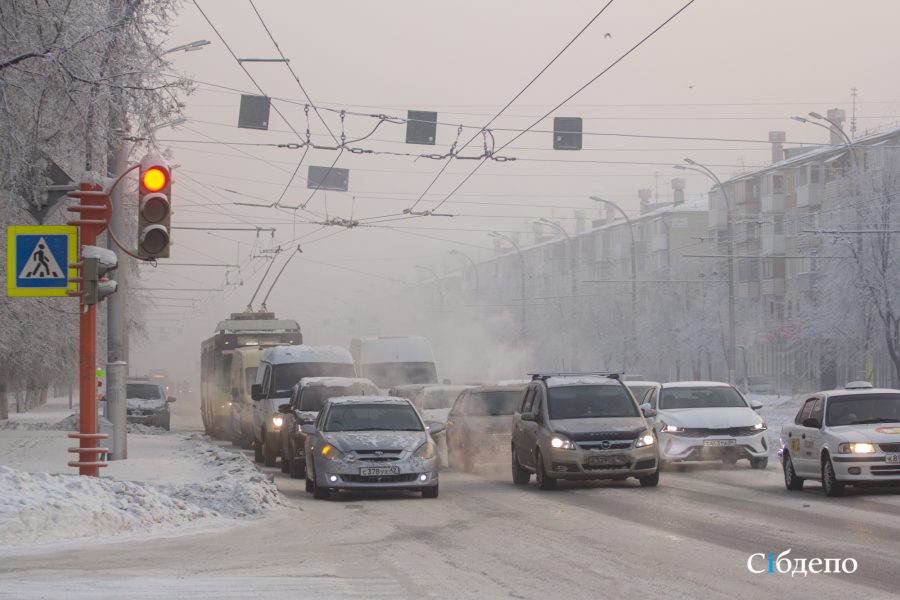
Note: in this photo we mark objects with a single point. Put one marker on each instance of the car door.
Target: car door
(259, 406)
(801, 442)
(531, 429)
(520, 427)
(456, 422)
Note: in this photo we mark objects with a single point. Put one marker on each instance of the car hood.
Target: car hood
(575, 426)
(138, 403)
(878, 433)
(348, 441)
(710, 418)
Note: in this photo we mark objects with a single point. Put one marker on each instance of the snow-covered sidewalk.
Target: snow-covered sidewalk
(170, 484)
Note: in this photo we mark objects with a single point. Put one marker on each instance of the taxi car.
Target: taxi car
(844, 437)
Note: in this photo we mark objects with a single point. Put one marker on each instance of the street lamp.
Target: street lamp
(729, 232)
(831, 127)
(471, 262)
(560, 229)
(437, 283)
(500, 236)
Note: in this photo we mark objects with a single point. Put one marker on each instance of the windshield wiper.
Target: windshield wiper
(870, 421)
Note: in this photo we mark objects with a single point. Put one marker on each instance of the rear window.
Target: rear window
(492, 404)
(288, 375)
(313, 398)
(143, 391)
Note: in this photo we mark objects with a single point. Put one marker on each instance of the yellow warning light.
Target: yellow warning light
(155, 179)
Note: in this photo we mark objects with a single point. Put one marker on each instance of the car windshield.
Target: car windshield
(439, 399)
(860, 409)
(492, 404)
(373, 417)
(700, 397)
(287, 375)
(590, 402)
(312, 398)
(386, 375)
(143, 391)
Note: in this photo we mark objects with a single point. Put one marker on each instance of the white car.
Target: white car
(843, 437)
(707, 420)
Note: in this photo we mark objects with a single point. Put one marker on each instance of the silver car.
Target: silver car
(370, 443)
(707, 420)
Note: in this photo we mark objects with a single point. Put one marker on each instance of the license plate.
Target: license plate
(605, 460)
(377, 471)
(892, 458)
(718, 443)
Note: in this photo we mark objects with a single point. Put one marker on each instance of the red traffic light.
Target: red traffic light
(155, 178)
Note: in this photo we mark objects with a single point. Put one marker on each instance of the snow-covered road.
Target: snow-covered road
(486, 538)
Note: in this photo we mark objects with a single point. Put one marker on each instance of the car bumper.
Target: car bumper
(147, 419)
(601, 464)
(674, 447)
(866, 469)
(412, 474)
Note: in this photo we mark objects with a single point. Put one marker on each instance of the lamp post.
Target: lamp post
(572, 257)
(731, 353)
(472, 263)
(518, 250)
(831, 127)
(437, 283)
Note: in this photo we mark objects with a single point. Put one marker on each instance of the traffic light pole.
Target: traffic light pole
(93, 212)
(117, 317)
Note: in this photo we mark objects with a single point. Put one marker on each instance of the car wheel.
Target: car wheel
(297, 469)
(650, 480)
(430, 492)
(519, 475)
(321, 493)
(830, 483)
(270, 453)
(759, 463)
(310, 485)
(258, 451)
(246, 441)
(285, 464)
(791, 481)
(544, 482)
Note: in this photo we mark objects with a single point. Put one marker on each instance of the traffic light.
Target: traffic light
(97, 263)
(154, 207)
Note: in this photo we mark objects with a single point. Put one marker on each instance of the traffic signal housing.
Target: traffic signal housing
(154, 207)
(97, 263)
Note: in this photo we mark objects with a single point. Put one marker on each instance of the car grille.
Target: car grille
(137, 412)
(624, 467)
(606, 445)
(886, 470)
(378, 455)
(603, 435)
(890, 447)
(404, 478)
(729, 431)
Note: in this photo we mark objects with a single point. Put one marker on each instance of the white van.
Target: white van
(390, 361)
(244, 363)
(280, 368)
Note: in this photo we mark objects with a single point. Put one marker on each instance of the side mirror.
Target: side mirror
(434, 427)
(284, 409)
(647, 410)
(256, 391)
(528, 417)
(170, 399)
(756, 405)
(811, 422)
(308, 428)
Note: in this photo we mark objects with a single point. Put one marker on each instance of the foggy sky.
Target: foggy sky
(724, 68)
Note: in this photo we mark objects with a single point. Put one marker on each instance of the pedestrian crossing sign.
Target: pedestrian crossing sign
(38, 258)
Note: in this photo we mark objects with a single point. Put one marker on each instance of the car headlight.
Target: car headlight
(562, 443)
(425, 451)
(670, 428)
(856, 448)
(330, 452)
(760, 427)
(277, 421)
(646, 439)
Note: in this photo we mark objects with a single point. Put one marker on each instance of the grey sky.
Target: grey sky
(724, 68)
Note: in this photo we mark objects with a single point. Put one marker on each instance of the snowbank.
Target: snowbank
(221, 487)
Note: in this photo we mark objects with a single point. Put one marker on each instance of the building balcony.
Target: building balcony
(809, 195)
(804, 282)
(772, 203)
(772, 287)
(773, 244)
(658, 242)
(749, 289)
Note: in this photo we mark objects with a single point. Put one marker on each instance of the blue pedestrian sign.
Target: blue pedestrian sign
(38, 258)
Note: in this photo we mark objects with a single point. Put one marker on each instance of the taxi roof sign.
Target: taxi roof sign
(38, 259)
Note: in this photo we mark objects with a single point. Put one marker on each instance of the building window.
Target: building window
(778, 184)
(802, 178)
(815, 174)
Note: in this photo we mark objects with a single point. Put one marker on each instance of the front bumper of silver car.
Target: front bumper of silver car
(601, 464)
(713, 445)
(403, 474)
